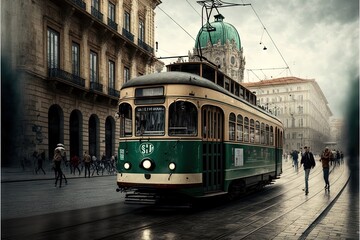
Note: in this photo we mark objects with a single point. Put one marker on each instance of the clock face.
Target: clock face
(232, 60)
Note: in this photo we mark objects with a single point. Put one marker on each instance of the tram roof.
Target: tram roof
(175, 77)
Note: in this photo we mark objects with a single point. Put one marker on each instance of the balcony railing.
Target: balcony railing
(112, 24)
(128, 34)
(96, 13)
(113, 92)
(80, 3)
(96, 86)
(145, 46)
(69, 77)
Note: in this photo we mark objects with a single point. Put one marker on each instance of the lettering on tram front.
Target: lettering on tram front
(146, 148)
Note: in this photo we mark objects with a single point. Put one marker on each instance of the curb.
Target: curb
(53, 178)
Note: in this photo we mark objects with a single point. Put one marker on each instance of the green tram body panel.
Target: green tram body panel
(247, 160)
(184, 154)
(238, 161)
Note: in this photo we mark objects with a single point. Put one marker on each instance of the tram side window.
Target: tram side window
(262, 133)
(239, 128)
(232, 120)
(204, 124)
(150, 121)
(246, 129)
(252, 130)
(271, 136)
(267, 135)
(183, 118)
(257, 132)
(125, 112)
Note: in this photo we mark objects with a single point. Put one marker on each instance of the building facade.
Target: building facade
(337, 133)
(301, 106)
(220, 44)
(65, 63)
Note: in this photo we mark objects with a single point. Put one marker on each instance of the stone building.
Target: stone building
(337, 132)
(63, 63)
(299, 103)
(302, 107)
(220, 43)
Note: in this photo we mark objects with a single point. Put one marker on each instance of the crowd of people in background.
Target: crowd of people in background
(76, 164)
(337, 157)
(307, 159)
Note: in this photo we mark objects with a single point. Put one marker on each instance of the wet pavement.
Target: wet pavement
(339, 218)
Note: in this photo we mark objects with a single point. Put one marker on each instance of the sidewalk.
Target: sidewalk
(17, 174)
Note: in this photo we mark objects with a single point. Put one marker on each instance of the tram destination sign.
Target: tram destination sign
(149, 92)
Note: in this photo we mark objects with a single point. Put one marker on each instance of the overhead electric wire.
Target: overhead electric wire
(176, 23)
(271, 38)
(221, 4)
(193, 8)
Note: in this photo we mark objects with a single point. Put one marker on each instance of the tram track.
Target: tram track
(247, 217)
(185, 218)
(253, 233)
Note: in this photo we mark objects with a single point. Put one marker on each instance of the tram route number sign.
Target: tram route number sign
(146, 148)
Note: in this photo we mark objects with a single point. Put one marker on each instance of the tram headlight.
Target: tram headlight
(147, 164)
(172, 166)
(127, 166)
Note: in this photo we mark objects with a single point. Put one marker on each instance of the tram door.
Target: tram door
(212, 121)
(278, 153)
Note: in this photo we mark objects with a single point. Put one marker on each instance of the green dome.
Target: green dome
(223, 31)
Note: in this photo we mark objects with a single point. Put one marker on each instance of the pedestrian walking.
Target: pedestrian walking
(87, 162)
(338, 156)
(325, 159)
(74, 163)
(295, 155)
(40, 161)
(308, 161)
(61, 148)
(57, 166)
(341, 157)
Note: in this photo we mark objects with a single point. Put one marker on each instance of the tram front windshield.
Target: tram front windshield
(150, 121)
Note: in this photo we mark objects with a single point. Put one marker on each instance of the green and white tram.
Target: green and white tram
(193, 132)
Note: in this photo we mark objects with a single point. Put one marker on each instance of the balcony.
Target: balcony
(112, 24)
(96, 13)
(80, 3)
(113, 92)
(145, 46)
(96, 86)
(66, 76)
(128, 34)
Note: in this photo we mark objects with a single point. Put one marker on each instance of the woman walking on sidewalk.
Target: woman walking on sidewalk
(57, 167)
(326, 156)
(40, 160)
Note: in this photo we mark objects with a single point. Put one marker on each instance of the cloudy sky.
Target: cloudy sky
(318, 39)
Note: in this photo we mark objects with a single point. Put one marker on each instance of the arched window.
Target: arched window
(125, 112)
(257, 132)
(246, 129)
(239, 128)
(183, 118)
(252, 130)
(232, 120)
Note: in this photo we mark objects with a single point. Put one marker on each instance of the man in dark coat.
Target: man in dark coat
(307, 159)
